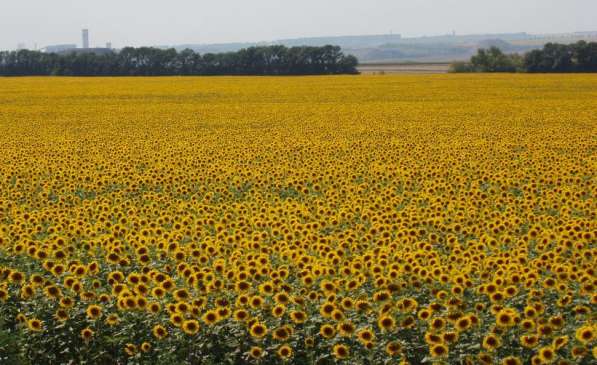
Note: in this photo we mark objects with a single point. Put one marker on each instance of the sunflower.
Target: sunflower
(94, 311)
(210, 317)
(527, 324)
(578, 352)
(328, 331)
(529, 341)
(365, 335)
(20, 318)
(298, 316)
(327, 309)
(546, 354)
(281, 333)
(112, 319)
(282, 298)
(240, 315)
(146, 347)
(258, 330)
(35, 325)
(341, 351)
(61, 315)
(3, 294)
(432, 338)
(159, 332)
(511, 360)
(393, 348)
(424, 314)
(337, 315)
(285, 352)
(491, 342)
(505, 318)
(560, 342)
(86, 334)
(176, 319)
(585, 334)
(52, 292)
(438, 350)
(386, 323)
(190, 327)
(450, 337)
(362, 305)
(346, 329)
(484, 358)
(154, 307)
(463, 323)
(279, 310)
(256, 352)
(130, 349)
(256, 302)
(437, 324)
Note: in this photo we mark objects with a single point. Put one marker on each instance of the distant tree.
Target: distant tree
(146, 61)
(461, 66)
(553, 57)
(578, 57)
(493, 60)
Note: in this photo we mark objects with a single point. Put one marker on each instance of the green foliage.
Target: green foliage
(146, 61)
(489, 60)
(577, 57)
(460, 67)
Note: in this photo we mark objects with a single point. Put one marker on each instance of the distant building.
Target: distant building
(21, 46)
(85, 34)
(59, 48)
(109, 45)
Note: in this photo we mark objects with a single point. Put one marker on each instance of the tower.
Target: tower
(85, 33)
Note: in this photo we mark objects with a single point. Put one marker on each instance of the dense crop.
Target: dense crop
(310, 220)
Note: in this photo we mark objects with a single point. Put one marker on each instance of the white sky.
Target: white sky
(162, 22)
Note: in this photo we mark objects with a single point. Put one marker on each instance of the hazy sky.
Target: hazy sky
(162, 22)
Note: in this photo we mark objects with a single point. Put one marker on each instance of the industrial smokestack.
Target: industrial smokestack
(85, 38)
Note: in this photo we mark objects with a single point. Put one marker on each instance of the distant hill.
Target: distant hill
(395, 48)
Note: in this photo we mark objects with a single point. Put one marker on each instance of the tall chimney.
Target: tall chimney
(85, 38)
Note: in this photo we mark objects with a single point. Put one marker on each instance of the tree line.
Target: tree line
(554, 57)
(148, 61)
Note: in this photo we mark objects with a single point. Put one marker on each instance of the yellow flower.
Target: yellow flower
(159, 332)
(585, 334)
(341, 351)
(511, 360)
(130, 349)
(285, 352)
(86, 334)
(256, 352)
(210, 317)
(386, 323)
(298, 316)
(438, 350)
(393, 348)
(112, 319)
(145, 347)
(35, 325)
(546, 355)
(491, 342)
(258, 330)
(346, 329)
(328, 331)
(190, 327)
(94, 311)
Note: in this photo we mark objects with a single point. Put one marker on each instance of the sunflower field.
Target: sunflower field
(440, 219)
